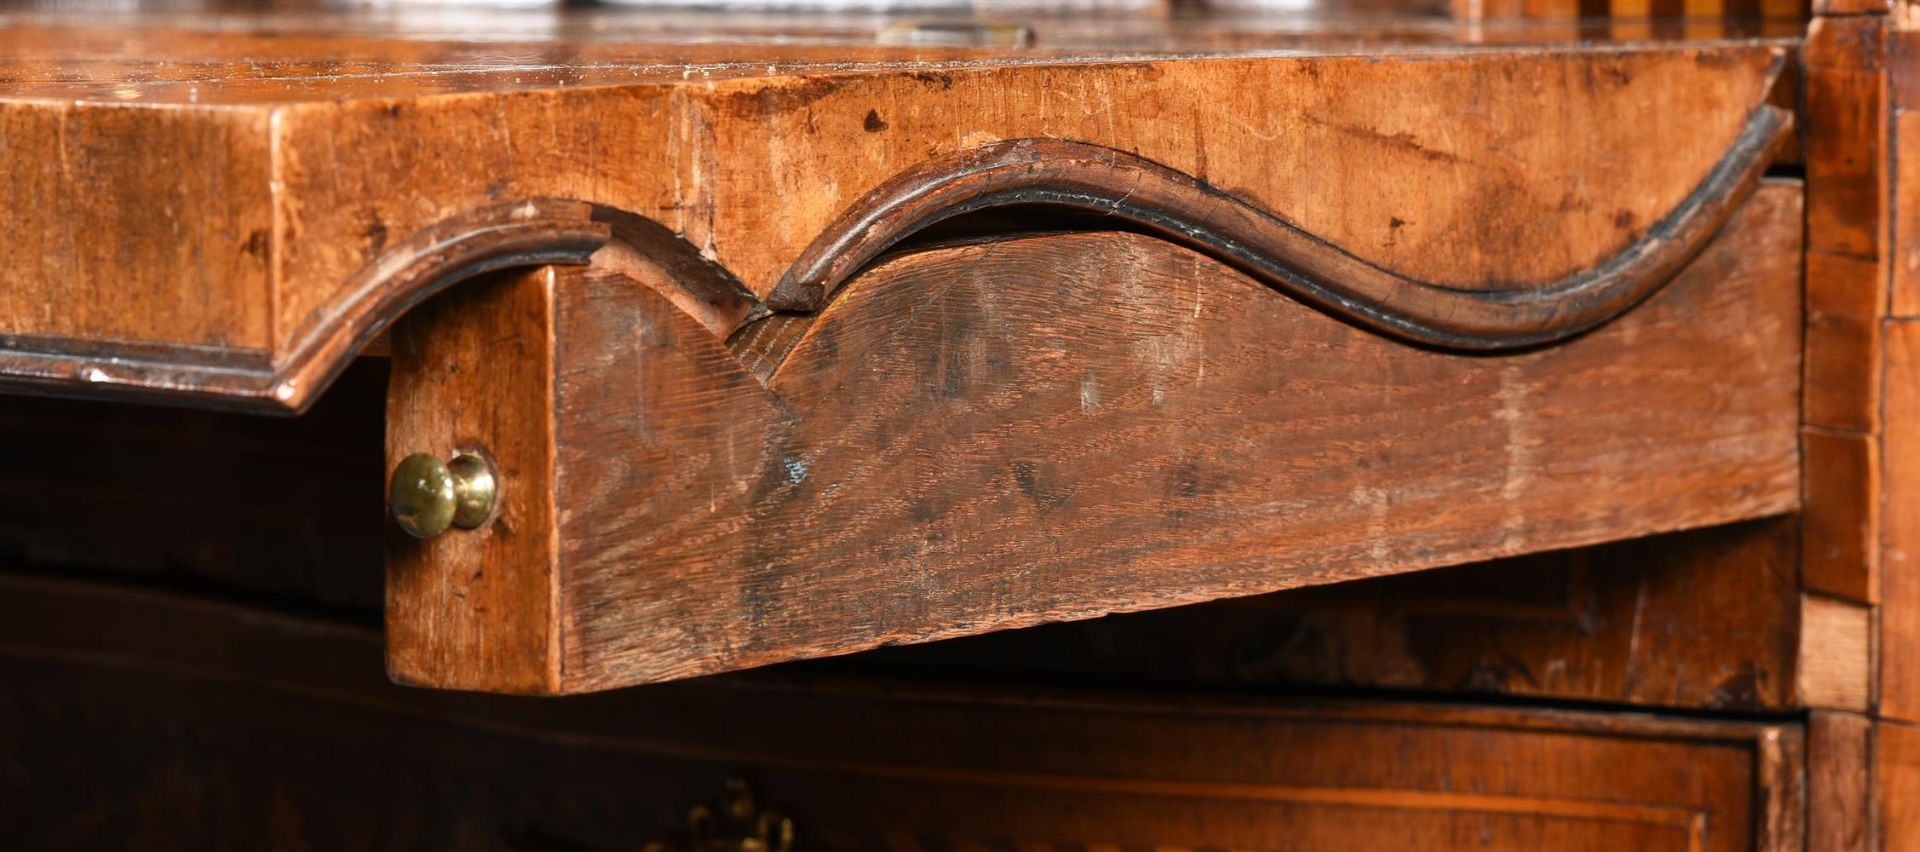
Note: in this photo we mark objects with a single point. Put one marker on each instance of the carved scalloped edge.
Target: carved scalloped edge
(1181, 208)
(1076, 175)
(524, 233)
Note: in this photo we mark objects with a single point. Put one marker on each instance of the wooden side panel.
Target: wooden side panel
(473, 372)
(1846, 136)
(1903, 62)
(1900, 575)
(153, 711)
(1905, 255)
(994, 435)
(1846, 154)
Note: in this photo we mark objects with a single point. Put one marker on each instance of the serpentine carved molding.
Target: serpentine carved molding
(1179, 207)
(1020, 173)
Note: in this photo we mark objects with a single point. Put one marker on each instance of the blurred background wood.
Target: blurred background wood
(218, 725)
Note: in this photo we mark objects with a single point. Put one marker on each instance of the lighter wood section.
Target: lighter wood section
(1836, 654)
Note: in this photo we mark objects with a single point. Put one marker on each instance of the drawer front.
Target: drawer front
(155, 711)
(992, 434)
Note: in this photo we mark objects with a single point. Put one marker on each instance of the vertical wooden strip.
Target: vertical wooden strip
(1904, 258)
(1781, 763)
(1845, 136)
(1840, 553)
(1896, 785)
(1900, 526)
(1839, 789)
(1844, 307)
(473, 372)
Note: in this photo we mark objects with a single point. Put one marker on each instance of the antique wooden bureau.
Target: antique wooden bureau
(595, 350)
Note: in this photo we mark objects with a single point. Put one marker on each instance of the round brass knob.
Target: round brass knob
(429, 495)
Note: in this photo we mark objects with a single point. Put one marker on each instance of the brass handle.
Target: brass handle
(736, 825)
(429, 495)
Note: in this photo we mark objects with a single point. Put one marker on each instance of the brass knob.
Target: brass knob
(428, 495)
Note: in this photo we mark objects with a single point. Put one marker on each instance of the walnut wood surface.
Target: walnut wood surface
(138, 713)
(1001, 433)
(307, 183)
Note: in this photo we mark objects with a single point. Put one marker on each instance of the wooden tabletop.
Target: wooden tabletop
(215, 207)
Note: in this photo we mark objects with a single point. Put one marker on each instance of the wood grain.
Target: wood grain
(1846, 301)
(1080, 177)
(482, 602)
(1836, 654)
(1841, 508)
(1840, 771)
(1503, 202)
(1846, 135)
(150, 710)
(1847, 160)
(1899, 614)
(996, 434)
(1896, 781)
(1706, 619)
(525, 233)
